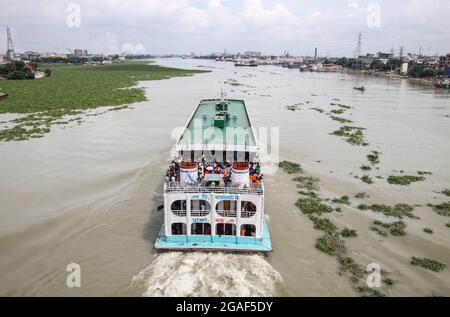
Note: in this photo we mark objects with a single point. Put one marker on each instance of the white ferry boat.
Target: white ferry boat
(214, 189)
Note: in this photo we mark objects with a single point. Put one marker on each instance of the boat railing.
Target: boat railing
(206, 143)
(227, 213)
(180, 213)
(177, 187)
(200, 213)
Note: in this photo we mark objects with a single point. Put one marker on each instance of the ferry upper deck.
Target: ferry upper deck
(219, 125)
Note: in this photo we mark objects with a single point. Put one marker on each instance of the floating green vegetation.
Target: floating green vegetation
(307, 182)
(379, 231)
(443, 209)
(75, 88)
(428, 230)
(374, 157)
(345, 200)
(290, 167)
(311, 205)
(362, 196)
(337, 111)
(367, 179)
(348, 266)
(349, 233)
(353, 135)
(119, 108)
(446, 192)
(343, 106)
(396, 228)
(293, 108)
(366, 168)
(323, 224)
(341, 120)
(233, 82)
(428, 264)
(389, 282)
(423, 173)
(330, 245)
(308, 193)
(404, 180)
(369, 292)
(318, 110)
(397, 211)
(448, 225)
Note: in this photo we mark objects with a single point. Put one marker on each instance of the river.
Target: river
(89, 193)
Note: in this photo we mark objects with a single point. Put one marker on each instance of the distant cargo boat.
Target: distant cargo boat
(214, 190)
(442, 83)
(362, 88)
(246, 63)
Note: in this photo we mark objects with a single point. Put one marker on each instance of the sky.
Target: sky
(185, 26)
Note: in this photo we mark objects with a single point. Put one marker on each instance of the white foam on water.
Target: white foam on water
(200, 274)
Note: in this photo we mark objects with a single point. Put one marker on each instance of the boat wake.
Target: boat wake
(198, 274)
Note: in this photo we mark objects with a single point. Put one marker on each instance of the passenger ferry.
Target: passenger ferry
(214, 190)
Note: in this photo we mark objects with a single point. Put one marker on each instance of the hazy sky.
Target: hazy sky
(184, 26)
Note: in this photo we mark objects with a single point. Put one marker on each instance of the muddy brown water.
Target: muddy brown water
(89, 193)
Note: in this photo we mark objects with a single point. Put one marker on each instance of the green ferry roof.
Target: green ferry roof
(208, 126)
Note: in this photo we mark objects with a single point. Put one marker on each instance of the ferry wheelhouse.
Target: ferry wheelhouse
(214, 190)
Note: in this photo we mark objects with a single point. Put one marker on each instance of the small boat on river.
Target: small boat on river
(442, 83)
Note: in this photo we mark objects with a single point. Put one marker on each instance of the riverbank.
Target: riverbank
(70, 91)
(427, 81)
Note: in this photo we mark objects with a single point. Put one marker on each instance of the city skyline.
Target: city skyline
(183, 26)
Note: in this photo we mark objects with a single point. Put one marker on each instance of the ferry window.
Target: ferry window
(200, 208)
(223, 229)
(178, 208)
(226, 208)
(248, 209)
(179, 229)
(248, 231)
(201, 229)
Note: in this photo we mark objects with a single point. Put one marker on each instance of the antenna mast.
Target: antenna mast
(10, 51)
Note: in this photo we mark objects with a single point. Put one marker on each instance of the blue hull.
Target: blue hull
(215, 243)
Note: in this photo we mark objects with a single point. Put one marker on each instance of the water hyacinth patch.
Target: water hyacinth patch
(396, 228)
(404, 180)
(349, 233)
(398, 211)
(105, 86)
(443, 209)
(310, 206)
(374, 157)
(428, 264)
(318, 110)
(362, 196)
(428, 230)
(353, 135)
(367, 179)
(347, 265)
(307, 182)
(330, 245)
(344, 200)
(323, 224)
(290, 167)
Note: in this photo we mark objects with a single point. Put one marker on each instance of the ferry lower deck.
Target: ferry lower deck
(215, 243)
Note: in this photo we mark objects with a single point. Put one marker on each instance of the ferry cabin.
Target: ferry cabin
(214, 193)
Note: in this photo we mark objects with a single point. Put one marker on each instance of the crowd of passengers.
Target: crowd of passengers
(205, 167)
